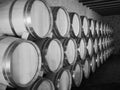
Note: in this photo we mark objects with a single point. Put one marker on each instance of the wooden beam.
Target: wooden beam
(106, 6)
(102, 3)
(90, 1)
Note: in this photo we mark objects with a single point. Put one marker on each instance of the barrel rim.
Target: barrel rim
(101, 28)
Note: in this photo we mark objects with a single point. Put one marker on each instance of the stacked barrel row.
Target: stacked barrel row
(102, 39)
(49, 48)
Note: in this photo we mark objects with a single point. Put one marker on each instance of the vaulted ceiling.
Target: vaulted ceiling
(103, 7)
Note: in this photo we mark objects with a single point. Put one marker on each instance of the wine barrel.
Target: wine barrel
(106, 43)
(104, 55)
(90, 47)
(77, 74)
(70, 51)
(109, 41)
(26, 17)
(85, 26)
(61, 19)
(100, 44)
(93, 64)
(20, 62)
(104, 29)
(103, 42)
(82, 48)
(65, 80)
(101, 57)
(110, 51)
(107, 53)
(76, 26)
(98, 59)
(97, 29)
(107, 30)
(86, 69)
(92, 27)
(101, 28)
(43, 84)
(62, 80)
(96, 45)
(52, 54)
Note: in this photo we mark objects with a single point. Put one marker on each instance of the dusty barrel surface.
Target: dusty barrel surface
(24, 17)
(52, 54)
(77, 74)
(61, 19)
(20, 62)
(43, 84)
(70, 51)
(76, 26)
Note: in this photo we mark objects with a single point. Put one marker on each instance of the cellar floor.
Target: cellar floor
(107, 76)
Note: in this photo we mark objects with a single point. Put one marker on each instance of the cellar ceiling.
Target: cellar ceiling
(103, 7)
